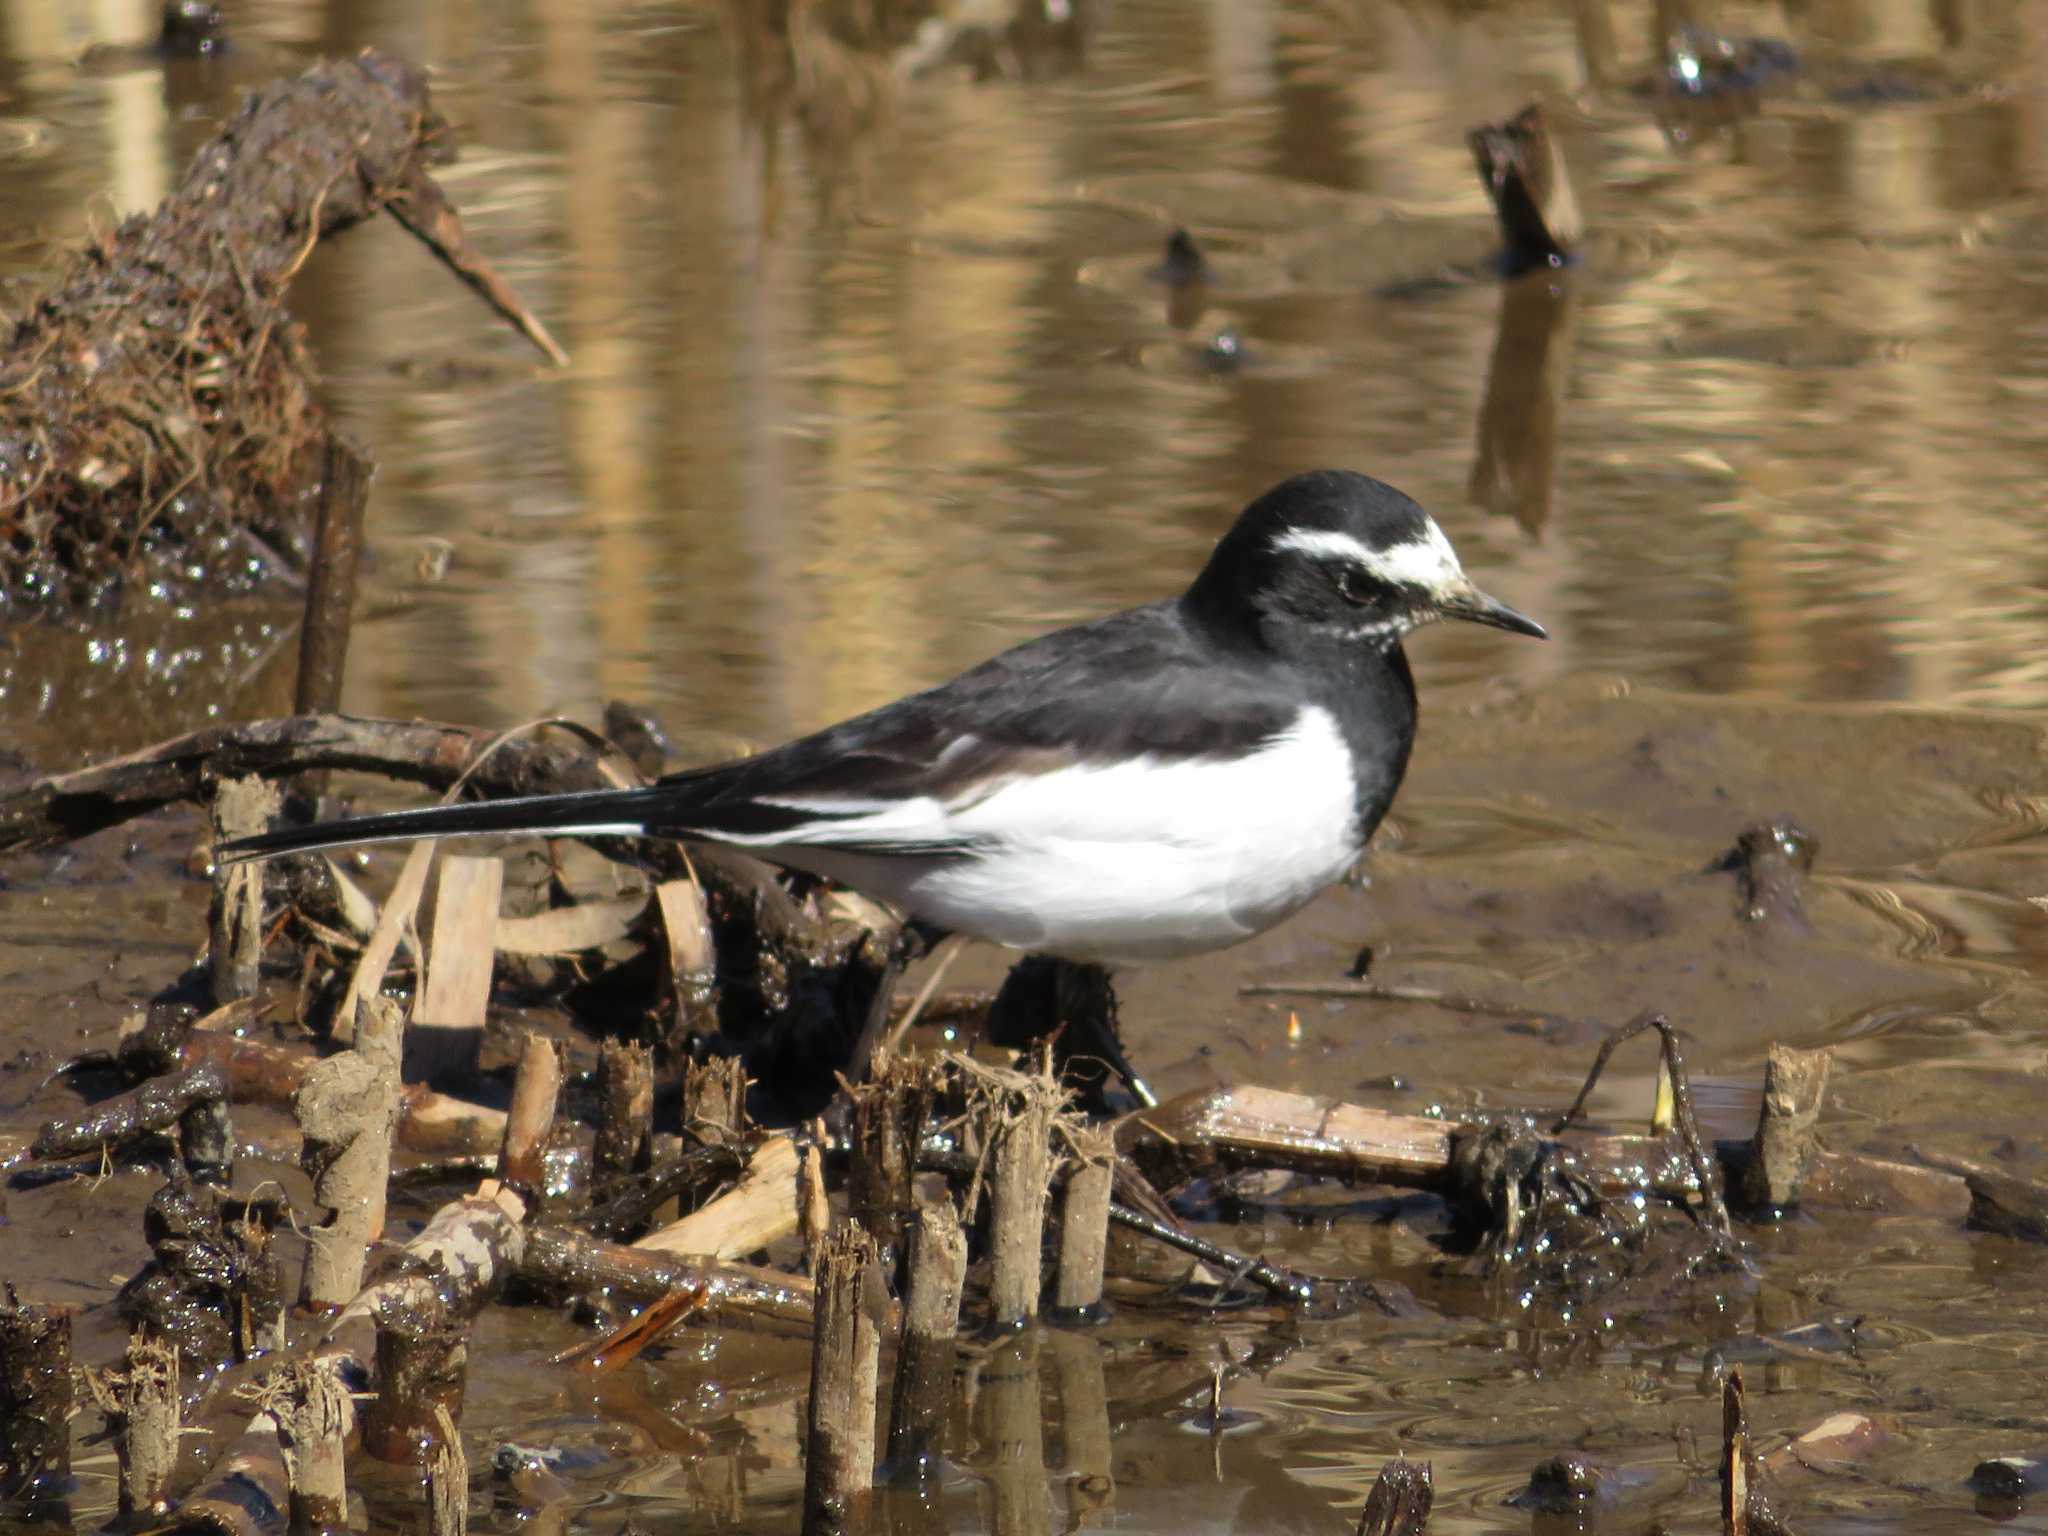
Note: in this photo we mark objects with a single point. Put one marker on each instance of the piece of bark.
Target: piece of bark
(1400, 1500)
(446, 1032)
(839, 1444)
(759, 1210)
(1084, 1224)
(241, 806)
(1795, 1083)
(692, 970)
(570, 930)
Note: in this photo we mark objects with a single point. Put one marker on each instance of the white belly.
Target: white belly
(1141, 861)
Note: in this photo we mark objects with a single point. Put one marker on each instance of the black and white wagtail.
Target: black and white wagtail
(1160, 782)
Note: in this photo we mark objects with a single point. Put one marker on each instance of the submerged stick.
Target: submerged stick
(733, 1295)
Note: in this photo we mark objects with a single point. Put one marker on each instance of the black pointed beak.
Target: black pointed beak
(1475, 605)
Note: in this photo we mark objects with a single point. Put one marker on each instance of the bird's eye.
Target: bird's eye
(1354, 586)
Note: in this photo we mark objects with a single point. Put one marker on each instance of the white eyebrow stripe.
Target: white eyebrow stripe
(1428, 562)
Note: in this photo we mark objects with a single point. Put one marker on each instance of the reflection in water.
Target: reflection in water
(851, 408)
(1514, 465)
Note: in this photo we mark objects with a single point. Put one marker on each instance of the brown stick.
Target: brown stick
(733, 1295)
(839, 1446)
(422, 1362)
(71, 805)
(715, 1099)
(331, 579)
(1735, 1458)
(535, 1088)
(924, 1362)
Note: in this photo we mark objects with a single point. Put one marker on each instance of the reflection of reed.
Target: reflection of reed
(1514, 468)
(824, 64)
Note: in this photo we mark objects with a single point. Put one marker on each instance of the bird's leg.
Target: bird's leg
(911, 942)
(1073, 1004)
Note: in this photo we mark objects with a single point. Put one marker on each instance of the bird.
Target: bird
(1156, 783)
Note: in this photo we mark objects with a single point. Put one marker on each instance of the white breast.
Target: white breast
(1141, 860)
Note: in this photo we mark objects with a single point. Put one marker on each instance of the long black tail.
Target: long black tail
(623, 811)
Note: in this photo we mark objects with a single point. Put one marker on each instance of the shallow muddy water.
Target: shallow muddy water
(869, 385)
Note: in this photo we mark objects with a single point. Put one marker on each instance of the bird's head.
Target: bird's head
(1332, 558)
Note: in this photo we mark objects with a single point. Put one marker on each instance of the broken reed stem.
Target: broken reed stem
(1023, 1167)
(535, 1088)
(1400, 1499)
(311, 1409)
(1084, 1224)
(146, 1438)
(625, 1122)
(422, 1361)
(35, 1401)
(1795, 1082)
(715, 1100)
(331, 579)
(447, 1481)
(1734, 1458)
(839, 1448)
(347, 1108)
(446, 1035)
(889, 1114)
(814, 1205)
(241, 806)
(924, 1362)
